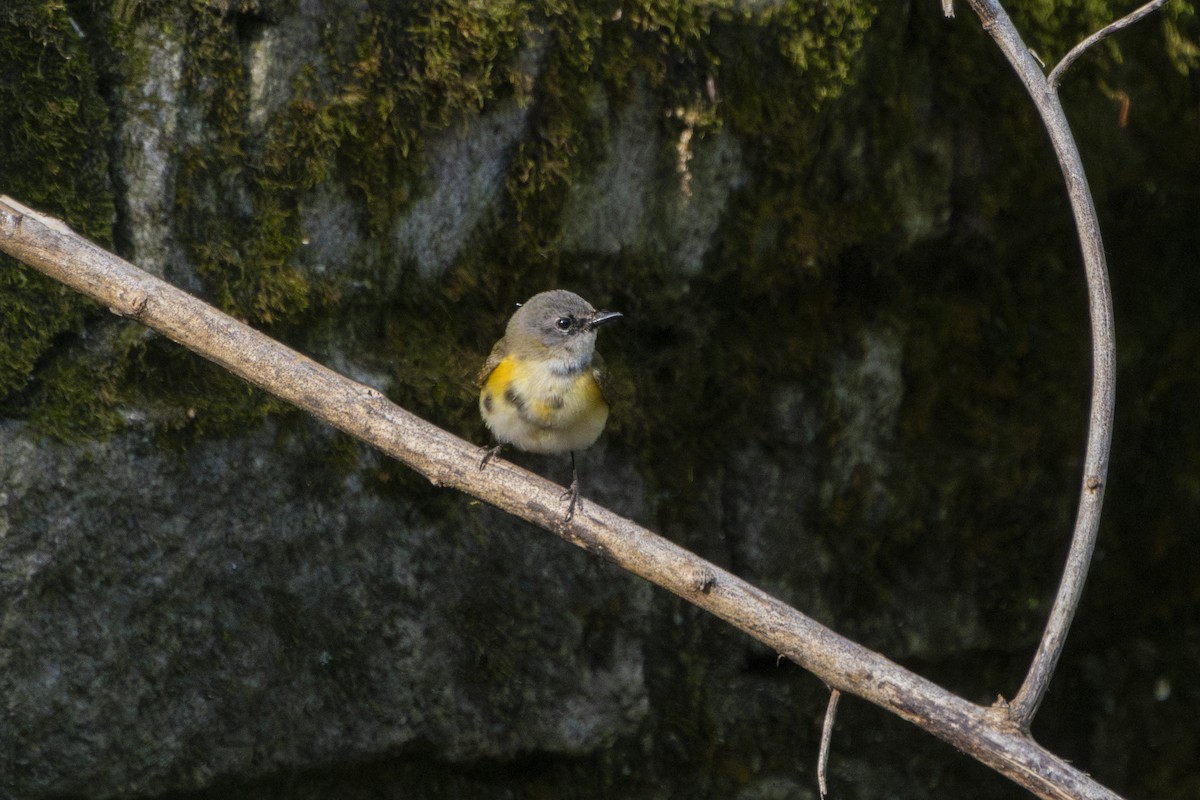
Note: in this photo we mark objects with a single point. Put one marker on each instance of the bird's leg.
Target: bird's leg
(488, 454)
(572, 493)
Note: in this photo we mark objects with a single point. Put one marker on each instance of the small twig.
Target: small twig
(1103, 33)
(826, 737)
(1095, 465)
(1123, 103)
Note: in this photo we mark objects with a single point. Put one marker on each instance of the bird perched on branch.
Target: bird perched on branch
(543, 386)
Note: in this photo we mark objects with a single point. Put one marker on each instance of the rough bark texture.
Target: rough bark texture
(855, 336)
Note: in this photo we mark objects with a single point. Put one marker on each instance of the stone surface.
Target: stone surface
(171, 620)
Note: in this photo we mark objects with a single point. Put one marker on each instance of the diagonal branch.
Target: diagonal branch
(987, 734)
(1108, 30)
(1100, 420)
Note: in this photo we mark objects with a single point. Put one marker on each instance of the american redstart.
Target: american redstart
(543, 386)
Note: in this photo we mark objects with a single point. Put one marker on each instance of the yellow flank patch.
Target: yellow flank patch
(501, 375)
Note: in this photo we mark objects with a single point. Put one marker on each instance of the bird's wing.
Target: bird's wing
(493, 361)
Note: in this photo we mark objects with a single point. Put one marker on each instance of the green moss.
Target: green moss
(410, 69)
(79, 391)
(53, 139)
(704, 63)
(203, 400)
(1181, 35)
(237, 204)
(358, 116)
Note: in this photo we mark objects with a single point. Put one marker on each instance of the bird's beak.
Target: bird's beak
(602, 317)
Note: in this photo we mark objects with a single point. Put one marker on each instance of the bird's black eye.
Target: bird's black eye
(563, 323)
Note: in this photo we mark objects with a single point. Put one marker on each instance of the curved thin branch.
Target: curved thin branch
(826, 740)
(987, 734)
(1108, 30)
(1095, 466)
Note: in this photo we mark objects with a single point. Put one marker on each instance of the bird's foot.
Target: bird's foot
(572, 495)
(488, 454)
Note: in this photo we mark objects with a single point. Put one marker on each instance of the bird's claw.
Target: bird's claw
(571, 494)
(488, 454)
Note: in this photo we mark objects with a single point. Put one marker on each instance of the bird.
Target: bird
(543, 387)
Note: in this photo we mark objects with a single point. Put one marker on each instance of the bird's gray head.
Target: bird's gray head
(557, 324)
